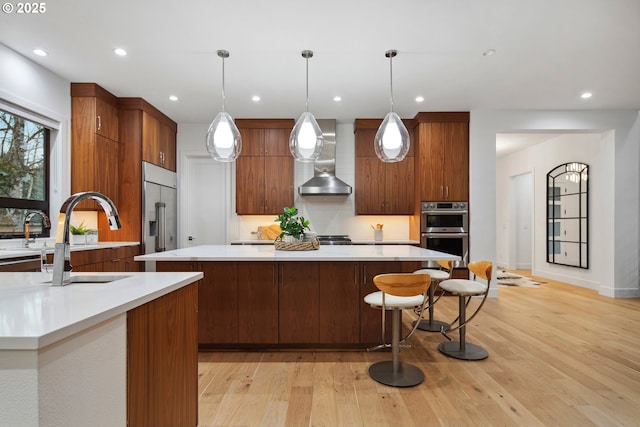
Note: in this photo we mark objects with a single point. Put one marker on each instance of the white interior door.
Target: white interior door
(523, 198)
(204, 192)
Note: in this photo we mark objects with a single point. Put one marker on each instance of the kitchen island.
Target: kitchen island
(99, 354)
(253, 296)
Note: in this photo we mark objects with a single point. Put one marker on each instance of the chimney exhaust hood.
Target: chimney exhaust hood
(324, 181)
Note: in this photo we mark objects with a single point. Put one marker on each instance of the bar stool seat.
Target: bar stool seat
(397, 292)
(465, 290)
(430, 324)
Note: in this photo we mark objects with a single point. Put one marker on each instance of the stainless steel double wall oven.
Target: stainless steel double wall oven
(444, 227)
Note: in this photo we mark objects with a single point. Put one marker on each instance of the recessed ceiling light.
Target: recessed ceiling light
(120, 52)
(489, 52)
(255, 98)
(337, 98)
(40, 52)
(173, 98)
(586, 95)
(419, 98)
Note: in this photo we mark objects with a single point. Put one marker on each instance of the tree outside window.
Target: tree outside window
(24, 174)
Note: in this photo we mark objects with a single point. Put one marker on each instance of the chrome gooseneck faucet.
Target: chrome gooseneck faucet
(62, 254)
(26, 225)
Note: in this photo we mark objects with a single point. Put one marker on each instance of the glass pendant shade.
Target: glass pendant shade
(392, 141)
(306, 140)
(223, 138)
(224, 142)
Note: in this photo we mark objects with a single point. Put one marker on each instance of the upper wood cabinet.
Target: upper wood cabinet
(381, 188)
(94, 142)
(145, 132)
(264, 169)
(442, 156)
(158, 142)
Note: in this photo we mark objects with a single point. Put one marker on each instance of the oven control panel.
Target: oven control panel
(444, 206)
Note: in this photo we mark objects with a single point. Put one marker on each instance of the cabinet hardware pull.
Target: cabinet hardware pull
(99, 122)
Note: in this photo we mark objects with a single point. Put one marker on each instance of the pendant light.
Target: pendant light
(392, 139)
(306, 140)
(223, 137)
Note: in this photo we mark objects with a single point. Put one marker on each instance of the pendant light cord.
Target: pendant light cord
(223, 83)
(391, 80)
(307, 58)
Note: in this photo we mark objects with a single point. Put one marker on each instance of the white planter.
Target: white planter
(78, 239)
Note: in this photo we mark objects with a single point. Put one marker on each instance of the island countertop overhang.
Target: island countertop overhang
(36, 314)
(333, 253)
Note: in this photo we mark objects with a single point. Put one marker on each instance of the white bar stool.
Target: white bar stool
(437, 276)
(398, 292)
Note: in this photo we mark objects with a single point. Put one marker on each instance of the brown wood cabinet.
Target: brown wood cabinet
(162, 361)
(381, 188)
(158, 142)
(106, 259)
(264, 169)
(442, 158)
(288, 304)
(143, 128)
(94, 142)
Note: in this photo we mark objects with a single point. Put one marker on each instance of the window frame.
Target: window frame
(26, 204)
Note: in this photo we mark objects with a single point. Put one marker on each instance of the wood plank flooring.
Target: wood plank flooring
(559, 355)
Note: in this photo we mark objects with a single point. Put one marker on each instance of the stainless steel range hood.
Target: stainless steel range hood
(324, 181)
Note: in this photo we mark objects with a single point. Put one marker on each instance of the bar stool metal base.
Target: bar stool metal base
(406, 375)
(470, 352)
(432, 325)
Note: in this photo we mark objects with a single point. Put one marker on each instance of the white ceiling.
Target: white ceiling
(547, 53)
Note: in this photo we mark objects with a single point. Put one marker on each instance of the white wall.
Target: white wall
(47, 96)
(620, 277)
(595, 150)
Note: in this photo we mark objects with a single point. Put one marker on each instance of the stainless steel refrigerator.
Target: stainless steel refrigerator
(160, 202)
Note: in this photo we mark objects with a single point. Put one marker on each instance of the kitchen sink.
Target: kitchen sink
(90, 278)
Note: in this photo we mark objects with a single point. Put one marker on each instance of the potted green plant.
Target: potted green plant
(78, 234)
(292, 225)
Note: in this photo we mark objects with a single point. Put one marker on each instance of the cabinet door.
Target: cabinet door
(276, 142)
(106, 168)
(370, 186)
(169, 360)
(252, 142)
(151, 139)
(339, 303)
(218, 303)
(298, 301)
(258, 303)
(399, 187)
(431, 161)
(250, 176)
(106, 119)
(168, 147)
(456, 173)
(278, 184)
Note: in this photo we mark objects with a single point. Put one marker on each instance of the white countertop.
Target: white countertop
(18, 252)
(353, 242)
(34, 314)
(325, 253)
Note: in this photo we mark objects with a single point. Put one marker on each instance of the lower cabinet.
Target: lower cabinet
(162, 361)
(288, 304)
(107, 259)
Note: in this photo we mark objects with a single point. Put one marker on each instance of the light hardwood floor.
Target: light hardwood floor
(559, 355)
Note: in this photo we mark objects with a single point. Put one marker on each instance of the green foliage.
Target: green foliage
(291, 224)
(81, 229)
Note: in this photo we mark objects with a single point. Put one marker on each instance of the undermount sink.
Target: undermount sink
(89, 278)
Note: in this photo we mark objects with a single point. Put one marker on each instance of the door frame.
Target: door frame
(183, 193)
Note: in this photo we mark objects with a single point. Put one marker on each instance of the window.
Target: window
(24, 174)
